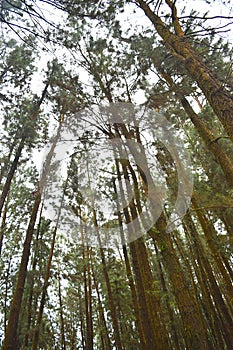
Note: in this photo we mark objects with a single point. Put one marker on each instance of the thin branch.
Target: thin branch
(206, 18)
(215, 30)
(219, 138)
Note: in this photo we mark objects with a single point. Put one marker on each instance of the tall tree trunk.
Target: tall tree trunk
(219, 98)
(220, 305)
(216, 292)
(11, 341)
(174, 331)
(112, 305)
(19, 150)
(4, 166)
(31, 284)
(211, 312)
(47, 274)
(87, 294)
(210, 234)
(194, 330)
(127, 264)
(195, 334)
(63, 338)
(205, 133)
(6, 294)
(11, 173)
(149, 306)
(105, 333)
(3, 226)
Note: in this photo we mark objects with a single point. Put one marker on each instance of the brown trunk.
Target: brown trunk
(31, 284)
(7, 277)
(138, 320)
(6, 162)
(63, 338)
(149, 305)
(214, 287)
(81, 312)
(219, 98)
(44, 292)
(10, 175)
(47, 275)
(210, 235)
(11, 341)
(88, 297)
(112, 305)
(174, 331)
(211, 313)
(105, 333)
(194, 330)
(208, 313)
(90, 322)
(127, 263)
(206, 134)
(3, 226)
(19, 150)
(195, 334)
(224, 316)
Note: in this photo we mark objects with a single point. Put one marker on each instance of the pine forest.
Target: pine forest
(116, 175)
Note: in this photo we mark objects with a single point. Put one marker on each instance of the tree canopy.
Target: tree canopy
(116, 175)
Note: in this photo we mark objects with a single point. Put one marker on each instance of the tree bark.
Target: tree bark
(31, 284)
(205, 133)
(11, 341)
(211, 312)
(127, 265)
(112, 305)
(19, 150)
(220, 99)
(47, 274)
(63, 338)
(209, 232)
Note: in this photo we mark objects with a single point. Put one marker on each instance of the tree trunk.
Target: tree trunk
(174, 332)
(11, 173)
(127, 262)
(149, 305)
(195, 334)
(220, 99)
(3, 226)
(224, 316)
(194, 330)
(63, 338)
(47, 275)
(210, 234)
(88, 296)
(11, 341)
(212, 315)
(105, 334)
(112, 305)
(19, 150)
(31, 284)
(206, 134)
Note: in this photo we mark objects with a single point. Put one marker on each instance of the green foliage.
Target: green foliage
(99, 61)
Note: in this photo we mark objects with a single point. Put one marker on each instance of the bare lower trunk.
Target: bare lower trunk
(11, 341)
